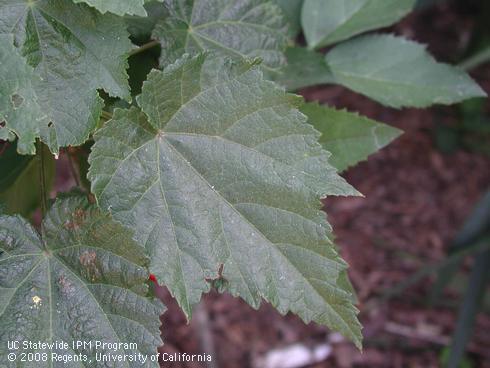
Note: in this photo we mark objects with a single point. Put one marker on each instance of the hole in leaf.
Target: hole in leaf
(17, 100)
(50, 124)
(2, 124)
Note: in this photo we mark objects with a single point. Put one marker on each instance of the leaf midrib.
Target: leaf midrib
(164, 197)
(234, 22)
(387, 81)
(344, 21)
(247, 148)
(230, 50)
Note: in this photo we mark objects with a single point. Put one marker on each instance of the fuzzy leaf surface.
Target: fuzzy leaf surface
(119, 7)
(74, 50)
(82, 279)
(329, 21)
(20, 114)
(220, 176)
(397, 72)
(237, 29)
(350, 138)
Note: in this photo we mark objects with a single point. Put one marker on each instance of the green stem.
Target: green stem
(73, 171)
(475, 60)
(42, 178)
(106, 115)
(144, 47)
(479, 246)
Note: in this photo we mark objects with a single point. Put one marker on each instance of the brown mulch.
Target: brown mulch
(416, 199)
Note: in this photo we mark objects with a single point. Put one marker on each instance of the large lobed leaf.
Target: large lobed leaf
(82, 280)
(20, 113)
(220, 176)
(350, 138)
(398, 72)
(74, 50)
(329, 21)
(236, 29)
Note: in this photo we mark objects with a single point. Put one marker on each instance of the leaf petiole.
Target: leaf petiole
(106, 115)
(42, 178)
(143, 48)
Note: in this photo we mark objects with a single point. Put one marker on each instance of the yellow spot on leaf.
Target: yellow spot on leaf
(37, 300)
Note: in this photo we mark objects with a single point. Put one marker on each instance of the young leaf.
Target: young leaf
(236, 29)
(119, 7)
(398, 72)
(20, 114)
(74, 51)
(219, 175)
(304, 68)
(329, 21)
(349, 137)
(82, 279)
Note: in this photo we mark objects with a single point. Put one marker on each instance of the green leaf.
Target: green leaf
(18, 190)
(349, 137)
(119, 7)
(292, 11)
(397, 72)
(140, 28)
(329, 21)
(74, 51)
(238, 29)
(220, 171)
(20, 114)
(304, 68)
(82, 279)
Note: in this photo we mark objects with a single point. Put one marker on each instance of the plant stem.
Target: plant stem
(73, 171)
(475, 60)
(4, 147)
(204, 332)
(106, 115)
(144, 47)
(42, 178)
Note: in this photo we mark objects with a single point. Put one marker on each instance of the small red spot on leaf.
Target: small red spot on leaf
(153, 278)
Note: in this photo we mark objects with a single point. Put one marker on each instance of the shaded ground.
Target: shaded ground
(416, 199)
